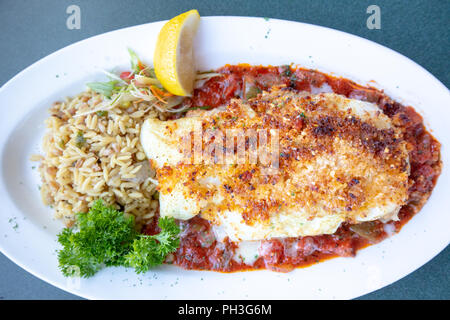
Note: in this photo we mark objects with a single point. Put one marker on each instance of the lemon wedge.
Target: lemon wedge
(174, 57)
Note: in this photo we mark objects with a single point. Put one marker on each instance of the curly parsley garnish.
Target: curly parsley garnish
(106, 237)
(150, 251)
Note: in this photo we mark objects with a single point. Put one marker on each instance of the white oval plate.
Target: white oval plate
(28, 233)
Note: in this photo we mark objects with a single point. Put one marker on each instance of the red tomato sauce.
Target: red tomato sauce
(199, 248)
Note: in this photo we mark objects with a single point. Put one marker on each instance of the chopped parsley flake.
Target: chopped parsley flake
(102, 113)
(80, 140)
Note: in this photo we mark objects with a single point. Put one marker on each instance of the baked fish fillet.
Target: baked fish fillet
(338, 160)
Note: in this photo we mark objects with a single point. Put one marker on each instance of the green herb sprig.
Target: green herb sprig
(104, 236)
(105, 88)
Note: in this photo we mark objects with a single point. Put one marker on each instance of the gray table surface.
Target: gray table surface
(420, 30)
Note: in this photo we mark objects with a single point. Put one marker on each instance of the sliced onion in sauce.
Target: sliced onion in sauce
(249, 88)
(369, 230)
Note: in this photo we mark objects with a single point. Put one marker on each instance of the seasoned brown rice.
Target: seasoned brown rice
(96, 155)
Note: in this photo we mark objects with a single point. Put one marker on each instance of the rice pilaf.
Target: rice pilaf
(90, 155)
